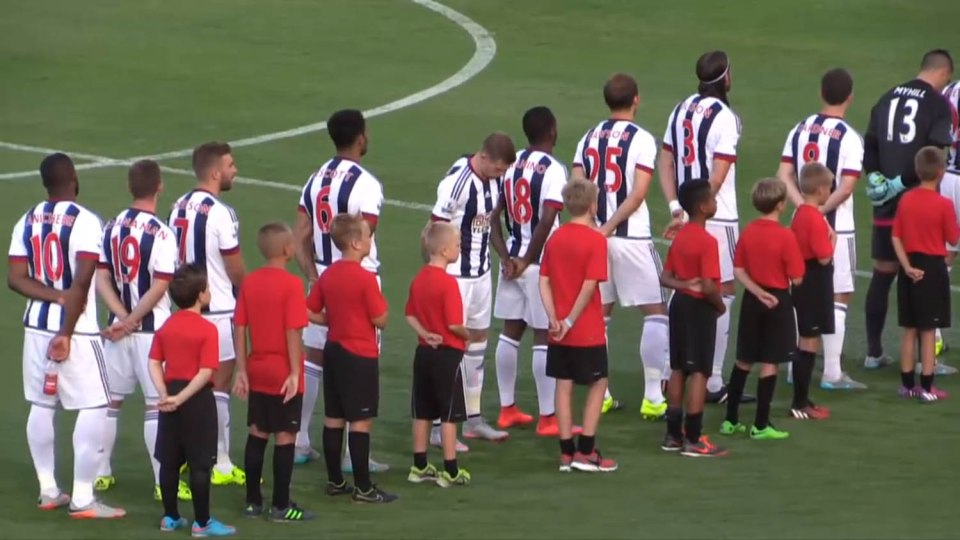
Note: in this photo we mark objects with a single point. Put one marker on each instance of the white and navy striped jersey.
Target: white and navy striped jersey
(835, 144)
(206, 230)
(952, 93)
(534, 182)
(340, 186)
(617, 149)
(51, 237)
(138, 249)
(699, 130)
(466, 200)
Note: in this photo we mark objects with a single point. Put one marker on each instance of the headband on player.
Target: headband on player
(722, 75)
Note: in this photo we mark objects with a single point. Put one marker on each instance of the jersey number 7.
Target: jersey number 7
(609, 164)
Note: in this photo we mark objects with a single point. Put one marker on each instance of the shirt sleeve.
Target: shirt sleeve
(710, 259)
(851, 156)
(554, 180)
(642, 154)
(315, 302)
(793, 260)
(739, 254)
(668, 141)
(240, 311)
(210, 349)
(545, 258)
(597, 265)
(372, 200)
(306, 203)
(87, 240)
(408, 308)
(227, 227)
(295, 311)
(951, 230)
(18, 250)
(165, 254)
(670, 265)
(820, 237)
(448, 205)
(373, 299)
(726, 136)
(156, 347)
(787, 155)
(578, 153)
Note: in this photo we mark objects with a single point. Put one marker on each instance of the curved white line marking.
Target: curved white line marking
(484, 51)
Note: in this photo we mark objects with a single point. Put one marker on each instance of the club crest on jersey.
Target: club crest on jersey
(480, 224)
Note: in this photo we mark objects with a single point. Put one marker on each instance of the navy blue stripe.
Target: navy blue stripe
(516, 232)
(485, 237)
(466, 230)
(144, 279)
(833, 163)
(687, 171)
(346, 188)
(45, 230)
(797, 151)
(200, 235)
(677, 145)
(583, 153)
(703, 134)
(536, 192)
(326, 244)
(602, 143)
(306, 201)
(32, 271)
(625, 175)
(126, 294)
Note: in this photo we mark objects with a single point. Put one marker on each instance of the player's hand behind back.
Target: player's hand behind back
(290, 387)
(915, 274)
(673, 227)
(433, 340)
(768, 299)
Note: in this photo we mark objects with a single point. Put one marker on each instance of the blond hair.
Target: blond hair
(578, 195)
(346, 228)
(813, 176)
(767, 194)
(437, 235)
(272, 237)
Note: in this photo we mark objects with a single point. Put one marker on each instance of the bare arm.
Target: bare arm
(147, 301)
(235, 268)
(317, 318)
(668, 176)
(713, 294)
(842, 193)
(669, 280)
(578, 172)
(748, 283)
(19, 281)
(546, 295)
(583, 298)
(901, 253)
(720, 169)
(75, 299)
(156, 375)
(381, 321)
(201, 379)
(305, 250)
(787, 174)
(109, 295)
(641, 183)
(417, 327)
(540, 234)
(294, 350)
(240, 347)
(496, 230)
(460, 331)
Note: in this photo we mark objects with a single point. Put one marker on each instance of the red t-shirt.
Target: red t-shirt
(693, 254)
(271, 301)
(925, 222)
(813, 233)
(573, 254)
(770, 254)
(186, 343)
(435, 301)
(352, 298)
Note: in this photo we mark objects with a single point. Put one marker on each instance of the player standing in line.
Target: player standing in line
(52, 259)
(619, 156)
(925, 223)
(826, 138)
(904, 120)
(466, 198)
(137, 260)
(208, 235)
(701, 142)
(530, 198)
(340, 186)
(950, 186)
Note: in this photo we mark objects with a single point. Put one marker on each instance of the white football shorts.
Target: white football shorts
(81, 378)
(477, 298)
(950, 188)
(128, 364)
(844, 263)
(519, 299)
(633, 273)
(224, 324)
(727, 234)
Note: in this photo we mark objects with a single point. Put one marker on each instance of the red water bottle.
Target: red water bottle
(50, 378)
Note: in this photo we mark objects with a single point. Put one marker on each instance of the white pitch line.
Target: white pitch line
(485, 48)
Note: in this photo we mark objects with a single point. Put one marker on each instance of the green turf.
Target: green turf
(126, 78)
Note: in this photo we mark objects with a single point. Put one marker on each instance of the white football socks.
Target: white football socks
(507, 352)
(41, 440)
(151, 418)
(87, 434)
(654, 343)
(546, 386)
(473, 377)
(224, 465)
(833, 344)
(313, 376)
(109, 439)
(715, 382)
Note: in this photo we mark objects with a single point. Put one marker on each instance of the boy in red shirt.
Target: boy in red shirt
(574, 263)
(693, 270)
(812, 299)
(183, 357)
(435, 312)
(767, 261)
(347, 300)
(924, 224)
(271, 307)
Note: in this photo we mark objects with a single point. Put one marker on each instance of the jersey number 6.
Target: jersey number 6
(324, 210)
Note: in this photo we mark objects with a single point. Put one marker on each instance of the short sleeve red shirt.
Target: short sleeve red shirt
(813, 233)
(271, 301)
(694, 253)
(352, 298)
(573, 254)
(769, 253)
(186, 343)
(925, 222)
(435, 301)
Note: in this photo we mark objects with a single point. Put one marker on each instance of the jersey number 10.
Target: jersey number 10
(47, 257)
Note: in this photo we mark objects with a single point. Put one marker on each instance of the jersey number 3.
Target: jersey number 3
(609, 164)
(908, 129)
